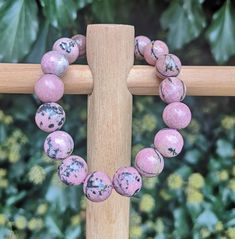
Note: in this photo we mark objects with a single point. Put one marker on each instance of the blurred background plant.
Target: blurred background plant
(195, 195)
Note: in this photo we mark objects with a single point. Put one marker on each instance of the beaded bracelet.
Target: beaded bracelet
(58, 145)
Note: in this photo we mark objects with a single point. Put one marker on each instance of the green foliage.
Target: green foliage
(193, 198)
(221, 33)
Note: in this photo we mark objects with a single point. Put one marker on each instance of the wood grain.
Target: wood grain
(110, 57)
(200, 80)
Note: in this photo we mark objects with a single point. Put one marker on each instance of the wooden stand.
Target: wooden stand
(110, 80)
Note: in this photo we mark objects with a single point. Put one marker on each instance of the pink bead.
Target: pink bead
(167, 65)
(49, 88)
(97, 186)
(149, 162)
(50, 117)
(58, 145)
(127, 181)
(55, 63)
(140, 43)
(177, 115)
(68, 48)
(168, 142)
(154, 50)
(172, 90)
(73, 170)
(81, 42)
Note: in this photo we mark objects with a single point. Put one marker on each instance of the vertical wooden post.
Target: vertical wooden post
(110, 57)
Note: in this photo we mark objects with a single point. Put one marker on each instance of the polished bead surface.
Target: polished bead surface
(73, 170)
(169, 142)
(81, 42)
(154, 50)
(140, 43)
(168, 65)
(53, 62)
(127, 181)
(50, 117)
(172, 89)
(177, 115)
(58, 145)
(97, 186)
(149, 162)
(68, 48)
(49, 88)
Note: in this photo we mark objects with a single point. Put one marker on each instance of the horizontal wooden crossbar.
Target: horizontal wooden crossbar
(200, 80)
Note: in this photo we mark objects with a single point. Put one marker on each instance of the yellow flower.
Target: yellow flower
(3, 219)
(196, 180)
(149, 122)
(175, 181)
(231, 232)
(194, 196)
(14, 154)
(3, 183)
(204, 232)
(166, 196)
(42, 208)
(223, 175)
(20, 222)
(147, 203)
(3, 172)
(159, 226)
(7, 119)
(150, 183)
(135, 218)
(231, 185)
(35, 224)
(75, 220)
(135, 232)
(228, 122)
(194, 126)
(219, 226)
(37, 174)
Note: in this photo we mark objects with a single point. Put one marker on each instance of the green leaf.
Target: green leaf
(180, 223)
(18, 27)
(221, 33)
(184, 21)
(60, 13)
(207, 219)
(224, 148)
(83, 3)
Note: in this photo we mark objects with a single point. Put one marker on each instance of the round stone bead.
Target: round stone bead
(127, 181)
(53, 62)
(172, 90)
(177, 115)
(168, 142)
(49, 88)
(73, 170)
(68, 48)
(58, 145)
(97, 186)
(154, 50)
(50, 117)
(167, 65)
(149, 162)
(140, 43)
(81, 42)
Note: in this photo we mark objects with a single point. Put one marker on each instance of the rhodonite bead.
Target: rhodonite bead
(50, 117)
(168, 142)
(167, 65)
(149, 162)
(172, 90)
(58, 145)
(73, 170)
(154, 50)
(68, 48)
(127, 181)
(140, 43)
(49, 88)
(97, 186)
(177, 115)
(53, 62)
(81, 42)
